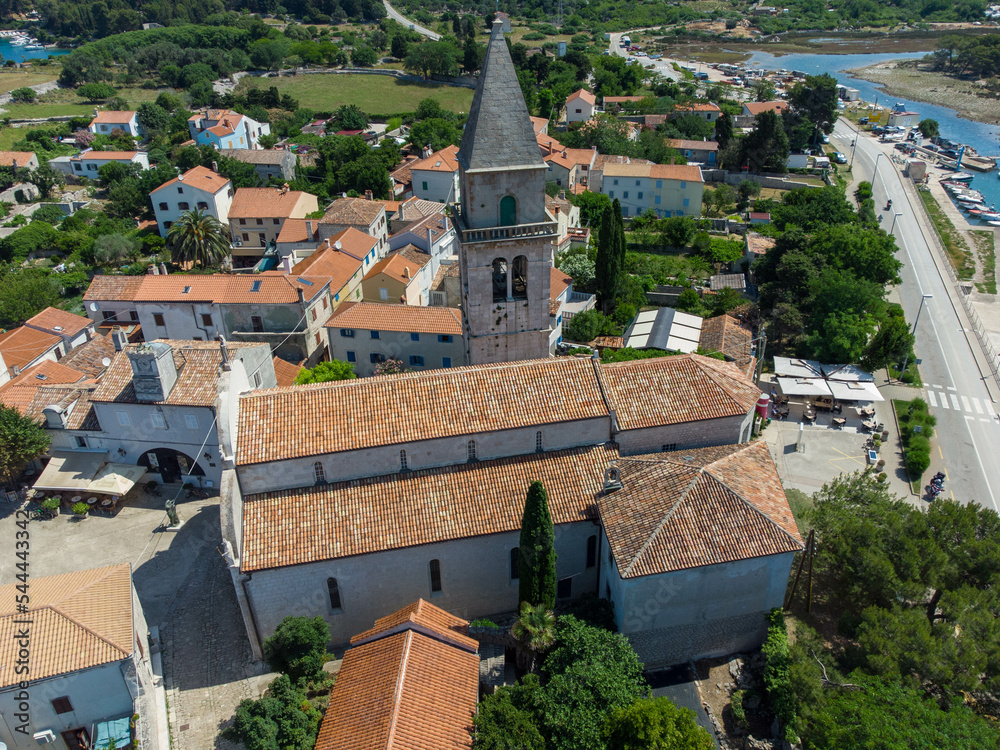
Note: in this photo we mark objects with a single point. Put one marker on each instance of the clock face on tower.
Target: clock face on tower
(144, 366)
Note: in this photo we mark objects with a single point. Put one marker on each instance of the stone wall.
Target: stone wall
(724, 431)
(664, 647)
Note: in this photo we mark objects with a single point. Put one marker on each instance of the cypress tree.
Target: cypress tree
(610, 255)
(536, 560)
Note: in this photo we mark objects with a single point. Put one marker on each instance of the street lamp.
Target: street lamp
(916, 320)
(875, 173)
(898, 214)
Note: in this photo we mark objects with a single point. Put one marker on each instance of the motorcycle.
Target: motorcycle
(888, 205)
(940, 475)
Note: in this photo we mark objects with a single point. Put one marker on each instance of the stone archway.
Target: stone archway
(170, 464)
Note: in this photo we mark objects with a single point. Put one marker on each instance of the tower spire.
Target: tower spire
(498, 133)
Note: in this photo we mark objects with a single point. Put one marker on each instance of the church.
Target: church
(349, 499)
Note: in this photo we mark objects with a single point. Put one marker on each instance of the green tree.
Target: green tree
(610, 262)
(436, 133)
(363, 56)
(268, 54)
(298, 648)
(654, 724)
(473, 54)
(399, 46)
(432, 58)
(536, 559)
(283, 719)
(765, 149)
(592, 209)
(677, 231)
(581, 268)
(890, 344)
(325, 372)
(689, 301)
(96, 92)
(350, 117)
(153, 118)
(23, 94)
(535, 632)
(199, 238)
(114, 250)
(928, 128)
(815, 101)
(746, 192)
(506, 719)
(46, 179)
(723, 129)
(22, 440)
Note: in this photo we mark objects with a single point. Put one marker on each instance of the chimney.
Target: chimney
(226, 367)
(286, 263)
(430, 241)
(326, 243)
(309, 229)
(302, 296)
(153, 270)
(562, 195)
(55, 417)
(163, 269)
(555, 209)
(215, 167)
(426, 152)
(15, 371)
(444, 221)
(14, 164)
(284, 188)
(368, 195)
(96, 112)
(118, 338)
(406, 272)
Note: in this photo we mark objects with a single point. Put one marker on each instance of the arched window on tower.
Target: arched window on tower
(499, 279)
(319, 474)
(519, 283)
(508, 211)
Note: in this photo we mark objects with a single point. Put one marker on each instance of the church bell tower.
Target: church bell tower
(506, 236)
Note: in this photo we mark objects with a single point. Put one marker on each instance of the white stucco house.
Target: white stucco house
(105, 123)
(224, 128)
(90, 669)
(88, 162)
(580, 106)
(435, 177)
(199, 188)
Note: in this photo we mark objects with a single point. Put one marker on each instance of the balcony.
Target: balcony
(513, 232)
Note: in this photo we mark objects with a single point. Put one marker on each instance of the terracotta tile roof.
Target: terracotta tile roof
(87, 358)
(602, 161)
(339, 266)
(80, 620)
(445, 160)
(402, 173)
(220, 130)
(363, 516)
(113, 288)
(285, 372)
(19, 391)
(609, 342)
(114, 118)
(59, 322)
(652, 121)
(230, 289)
(254, 203)
(671, 390)
(406, 690)
(425, 615)
(697, 507)
(415, 209)
(22, 346)
(297, 230)
(758, 244)
(197, 365)
(309, 420)
(539, 123)
(374, 316)
(697, 107)
(256, 156)
(693, 145)
(558, 282)
(437, 222)
(687, 172)
(199, 178)
(631, 169)
(755, 108)
(75, 399)
(7, 158)
(399, 267)
(572, 157)
(726, 334)
(353, 211)
(582, 94)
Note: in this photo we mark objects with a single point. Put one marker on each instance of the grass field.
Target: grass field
(65, 103)
(13, 78)
(375, 95)
(958, 251)
(983, 240)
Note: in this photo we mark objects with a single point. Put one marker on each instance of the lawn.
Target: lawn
(958, 251)
(983, 240)
(375, 95)
(65, 103)
(14, 78)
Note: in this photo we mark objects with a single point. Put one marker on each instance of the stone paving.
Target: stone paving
(184, 588)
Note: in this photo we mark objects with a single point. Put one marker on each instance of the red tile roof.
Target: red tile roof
(582, 94)
(7, 158)
(285, 372)
(22, 346)
(113, 288)
(755, 108)
(114, 118)
(230, 289)
(558, 282)
(109, 155)
(402, 268)
(726, 334)
(375, 316)
(445, 160)
(426, 616)
(403, 689)
(200, 178)
(59, 322)
(363, 516)
(697, 507)
(19, 391)
(255, 203)
(353, 211)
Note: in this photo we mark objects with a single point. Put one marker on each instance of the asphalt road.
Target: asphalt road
(968, 431)
(398, 17)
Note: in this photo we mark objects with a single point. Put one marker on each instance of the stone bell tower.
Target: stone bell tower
(506, 236)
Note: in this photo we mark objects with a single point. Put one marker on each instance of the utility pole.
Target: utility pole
(916, 320)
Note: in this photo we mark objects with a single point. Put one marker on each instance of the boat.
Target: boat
(994, 223)
(34, 46)
(989, 216)
(975, 212)
(961, 176)
(19, 41)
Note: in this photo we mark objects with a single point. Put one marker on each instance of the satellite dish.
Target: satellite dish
(93, 307)
(106, 361)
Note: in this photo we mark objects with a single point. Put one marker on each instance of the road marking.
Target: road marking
(952, 388)
(966, 404)
(932, 398)
(944, 402)
(983, 419)
(975, 402)
(954, 401)
(940, 453)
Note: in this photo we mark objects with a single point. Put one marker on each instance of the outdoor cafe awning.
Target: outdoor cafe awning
(70, 470)
(116, 479)
(854, 391)
(804, 387)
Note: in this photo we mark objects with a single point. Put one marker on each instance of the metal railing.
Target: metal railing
(491, 234)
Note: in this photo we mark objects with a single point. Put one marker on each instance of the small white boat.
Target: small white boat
(34, 46)
(961, 177)
(994, 223)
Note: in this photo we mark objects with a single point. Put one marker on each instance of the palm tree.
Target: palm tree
(199, 238)
(535, 632)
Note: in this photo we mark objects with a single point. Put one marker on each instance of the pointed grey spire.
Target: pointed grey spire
(498, 133)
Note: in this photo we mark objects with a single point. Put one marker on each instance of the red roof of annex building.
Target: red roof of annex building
(409, 683)
(199, 178)
(113, 288)
(445, 160)
(255, 203)
(229, 289)
(376, 316)
(582, 94)
(8, 158)
(697, 107)
(755, 108)
(22, 346)
(108, 117)
(59, 322)
(19, 391)
(622, 99)
(697, 507)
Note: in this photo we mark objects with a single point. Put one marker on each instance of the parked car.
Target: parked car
(839, 158)
(825, 138)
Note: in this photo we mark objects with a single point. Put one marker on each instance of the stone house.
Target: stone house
(197, 189)
(364, 214)
(401, 277)
(702, 152)
(19, 159)
(270, 163)
(90, 668)
(422, 338)
(468, 454)
(257, 215)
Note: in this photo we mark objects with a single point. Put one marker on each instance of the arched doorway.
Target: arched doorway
(508, 211)
(170, 464)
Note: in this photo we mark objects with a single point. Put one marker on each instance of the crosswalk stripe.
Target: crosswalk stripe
(952, 388)
(944, 401)
(975, 402)
(931, 398)
(966, 404)
(954, 401)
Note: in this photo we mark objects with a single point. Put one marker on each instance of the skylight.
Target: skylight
(187, 290)
(303, 281)
(255, 287)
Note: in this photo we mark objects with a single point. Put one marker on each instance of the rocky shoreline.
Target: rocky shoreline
(908, 80)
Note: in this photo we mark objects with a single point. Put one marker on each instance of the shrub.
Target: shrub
(298, 648)
(777, 660)
(51, 503)
(736, 706)
(80, 508)
(882, 477)
(483, 622)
